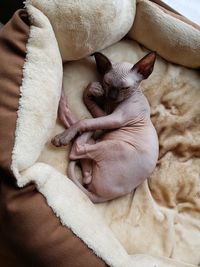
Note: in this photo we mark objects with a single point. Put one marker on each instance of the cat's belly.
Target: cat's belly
(122, 167)
(142, 138)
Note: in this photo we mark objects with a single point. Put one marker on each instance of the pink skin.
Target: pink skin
(127, 151)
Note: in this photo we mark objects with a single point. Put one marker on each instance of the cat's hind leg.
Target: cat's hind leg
(77, 153)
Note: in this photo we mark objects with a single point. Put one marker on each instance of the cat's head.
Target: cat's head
(121, 79)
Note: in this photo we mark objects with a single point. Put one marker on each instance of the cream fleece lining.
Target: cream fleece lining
(171, 38)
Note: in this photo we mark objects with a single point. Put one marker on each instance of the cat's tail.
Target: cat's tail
(72, 175)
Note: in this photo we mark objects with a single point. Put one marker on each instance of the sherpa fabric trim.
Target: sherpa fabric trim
(40, 93)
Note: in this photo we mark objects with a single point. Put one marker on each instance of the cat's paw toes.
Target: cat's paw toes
(61, 139)
(56, 141)
(96, 89)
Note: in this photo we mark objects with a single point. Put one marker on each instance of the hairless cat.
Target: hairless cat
(125, 153)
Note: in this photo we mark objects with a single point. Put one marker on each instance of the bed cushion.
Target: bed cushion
(10, 78)
(173, 37)
(83, 27)
(158, 225)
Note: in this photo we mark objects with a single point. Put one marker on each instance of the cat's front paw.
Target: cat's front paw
(95, 89)
(64, 138)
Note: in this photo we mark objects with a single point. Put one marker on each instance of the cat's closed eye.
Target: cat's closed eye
(125, 88)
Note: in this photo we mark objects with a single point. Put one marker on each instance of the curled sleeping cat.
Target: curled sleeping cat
(126, 152)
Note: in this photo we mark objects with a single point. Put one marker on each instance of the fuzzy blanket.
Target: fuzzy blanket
(162, 217)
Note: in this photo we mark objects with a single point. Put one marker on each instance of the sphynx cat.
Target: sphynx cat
(126, 152)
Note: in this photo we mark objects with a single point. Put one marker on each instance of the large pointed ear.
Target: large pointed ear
(103, 63)
(145, 65)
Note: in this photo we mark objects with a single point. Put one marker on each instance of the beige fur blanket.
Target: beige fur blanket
(162, 217)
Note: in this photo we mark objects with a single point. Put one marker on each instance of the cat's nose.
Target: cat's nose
(113, 93)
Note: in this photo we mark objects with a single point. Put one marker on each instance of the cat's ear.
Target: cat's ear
(144, 66)
(104, 65)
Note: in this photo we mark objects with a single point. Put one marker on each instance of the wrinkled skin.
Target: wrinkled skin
(126, 152)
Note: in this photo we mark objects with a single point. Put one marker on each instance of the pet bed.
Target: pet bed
(45, 220)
